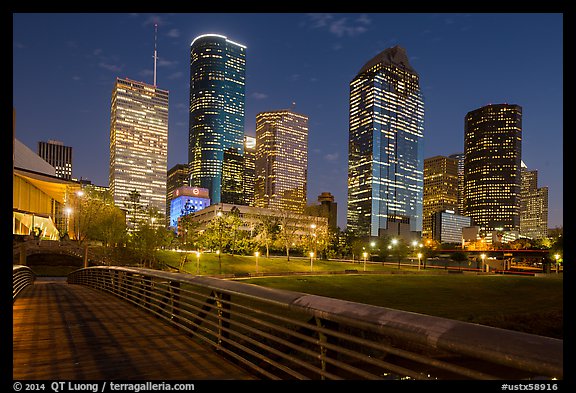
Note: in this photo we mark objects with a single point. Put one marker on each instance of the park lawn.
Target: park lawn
(529, 304)
(238, 264)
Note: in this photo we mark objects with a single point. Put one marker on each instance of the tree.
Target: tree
(459, 257)
(189, 233)
(267, 227)
(287, 228)
(233, 224)
(133, 205)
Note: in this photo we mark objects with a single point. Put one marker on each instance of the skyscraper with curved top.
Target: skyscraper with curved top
(492, 166)
(385, 156)
(216, 128)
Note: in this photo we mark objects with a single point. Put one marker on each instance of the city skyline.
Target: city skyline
(309, 59)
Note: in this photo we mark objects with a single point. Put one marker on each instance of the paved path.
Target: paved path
(71, 332)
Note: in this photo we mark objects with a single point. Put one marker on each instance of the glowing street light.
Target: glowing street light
(557, 257)
(79, 194)
(68, 211)
(419, 258)
(311, 260)
(257, 254)
(197, 262)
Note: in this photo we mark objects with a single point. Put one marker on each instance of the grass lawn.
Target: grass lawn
(528, 304)
(232, 264)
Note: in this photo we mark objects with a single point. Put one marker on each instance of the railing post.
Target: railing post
(175, 293)
(322, 339)
(223, 312)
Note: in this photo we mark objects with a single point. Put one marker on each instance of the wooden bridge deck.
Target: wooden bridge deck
(70, 332)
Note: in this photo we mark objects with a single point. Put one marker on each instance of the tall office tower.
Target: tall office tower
(216, 129)
(249, 169)
(281, 160)
(177, 177)
(385, 151)
(440, 189)
(492, 179)
(57, 155)
(138, 148)
(460, 158)
(533, 206)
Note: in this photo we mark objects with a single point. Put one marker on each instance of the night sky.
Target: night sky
(65, 66)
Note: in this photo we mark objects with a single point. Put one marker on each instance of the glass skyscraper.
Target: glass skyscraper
(281, 160)
(216, 128)
(385, 156)
(492, 166)
(138, 147)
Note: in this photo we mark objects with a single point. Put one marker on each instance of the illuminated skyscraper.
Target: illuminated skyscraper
(385, 152)
(440, 189)
(281, 160)
(57, 155)
(177, 177)
(249, 169)
(216, 129)
(533, 206)
(460, 158)
(138, 147)
(492, 173)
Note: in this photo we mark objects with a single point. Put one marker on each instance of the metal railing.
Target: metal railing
(22, 276)
(280, 334)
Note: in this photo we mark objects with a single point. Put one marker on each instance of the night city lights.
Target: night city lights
(287, 196)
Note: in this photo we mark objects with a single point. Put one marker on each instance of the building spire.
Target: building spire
(155, 53)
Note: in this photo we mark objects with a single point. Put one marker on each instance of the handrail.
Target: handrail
(22, 276)
(283, 334)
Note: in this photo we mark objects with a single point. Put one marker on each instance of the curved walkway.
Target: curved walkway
(70, 332)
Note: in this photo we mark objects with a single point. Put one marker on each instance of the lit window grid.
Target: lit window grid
(492, 178)
(281, 160)
(138, 144)
(384, 141)
(217, 96)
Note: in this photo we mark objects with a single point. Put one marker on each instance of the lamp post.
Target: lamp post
(394, 243)
(419, 257)
(219, 215)
(314, 242)
(365, 254)
(79, 194)
(311, 260)
(68, 211)
(257, 254)
(197, 262)
(557, 257)
(483, 256)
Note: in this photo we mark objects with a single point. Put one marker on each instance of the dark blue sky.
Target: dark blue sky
(65, 66)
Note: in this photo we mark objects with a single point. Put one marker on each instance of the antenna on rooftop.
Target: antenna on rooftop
(155, 55)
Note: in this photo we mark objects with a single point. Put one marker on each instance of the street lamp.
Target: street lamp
(256, 254)
(314, 241)
(80, 194)
(365, 254)
(219, 215)
(419, 257)
(68, 211)
(311, 260)
(483, 256)
(557, 257)
(394, 243)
